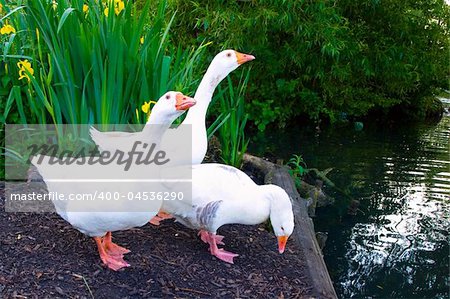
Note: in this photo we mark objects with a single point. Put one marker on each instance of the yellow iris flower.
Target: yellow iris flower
(7, 29)
(85, 8)
(119, 5)
(24, 66)
(146, 106)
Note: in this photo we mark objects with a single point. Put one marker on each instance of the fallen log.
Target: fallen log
(304, 233)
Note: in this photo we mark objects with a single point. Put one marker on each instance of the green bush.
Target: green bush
(322, 58)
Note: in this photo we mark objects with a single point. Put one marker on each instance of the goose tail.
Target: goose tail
(96, 135)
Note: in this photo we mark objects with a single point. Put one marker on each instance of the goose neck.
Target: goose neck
(204, 95)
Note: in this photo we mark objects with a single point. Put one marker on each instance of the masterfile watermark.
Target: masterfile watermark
(141, 153)
(103, 196)
(61, 165)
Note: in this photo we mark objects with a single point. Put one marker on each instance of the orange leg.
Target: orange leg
(213, 240)
(112, 248)
(112, 262)
(205, 236)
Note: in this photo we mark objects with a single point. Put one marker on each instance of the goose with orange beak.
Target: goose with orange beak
(223, 194)
(100, 223)
(223, 64)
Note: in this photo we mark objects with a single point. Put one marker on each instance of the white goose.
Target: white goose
(221, 196)
(103, 221)
(223, 63)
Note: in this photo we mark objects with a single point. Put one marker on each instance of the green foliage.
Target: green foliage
(230, 124)
(90, 67)
(322, 58)
(291, 46)
(297, 165)
(297, 169)
(403, 50)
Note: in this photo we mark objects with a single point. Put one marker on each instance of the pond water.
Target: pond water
(397, 246)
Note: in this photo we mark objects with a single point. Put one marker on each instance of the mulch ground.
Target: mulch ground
(42, 256)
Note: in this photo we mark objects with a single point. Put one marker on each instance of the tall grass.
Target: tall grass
(230, 124)
(90, 67)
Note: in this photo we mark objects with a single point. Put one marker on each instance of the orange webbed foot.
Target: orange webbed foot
(113, 261)
(224, 255)
(160, 217)
(155, 220)
(213, 240)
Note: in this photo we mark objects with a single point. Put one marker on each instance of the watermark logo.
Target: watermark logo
(141, 153)
(61, 168)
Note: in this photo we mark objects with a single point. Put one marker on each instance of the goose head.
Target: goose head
(229, 60)
(281, 215)
(171, 105)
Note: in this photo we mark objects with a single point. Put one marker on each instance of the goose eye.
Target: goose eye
(228, 54)
(282, 228)
(167, 97)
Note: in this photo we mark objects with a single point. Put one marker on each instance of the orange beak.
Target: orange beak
(282, 240)
(243, 58)
(184, 102)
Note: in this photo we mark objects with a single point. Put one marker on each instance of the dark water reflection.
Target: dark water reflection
(397, 246)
